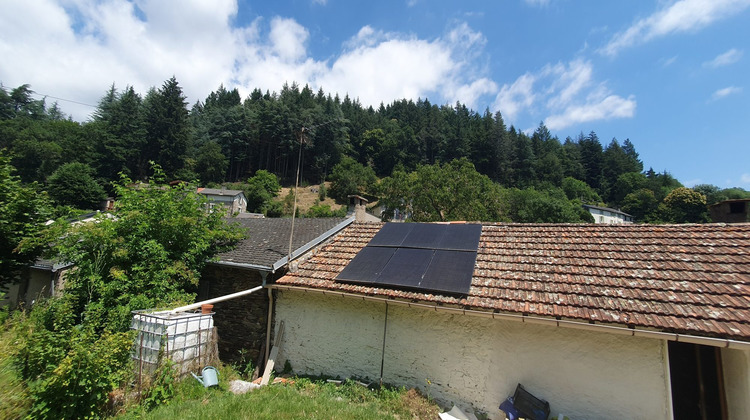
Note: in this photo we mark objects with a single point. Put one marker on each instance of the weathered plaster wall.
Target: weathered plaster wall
(34, 284)
(241, 322)
(736, 366)
(473, 360)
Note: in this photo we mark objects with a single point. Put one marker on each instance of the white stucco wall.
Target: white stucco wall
(476, 361)
(736, 367)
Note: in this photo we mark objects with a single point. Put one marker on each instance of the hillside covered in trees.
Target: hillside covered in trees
(400, 153)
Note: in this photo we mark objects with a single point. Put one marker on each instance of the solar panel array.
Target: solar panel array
(421, 256)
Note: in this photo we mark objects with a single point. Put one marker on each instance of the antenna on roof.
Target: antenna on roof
(296, 185)
(302, 139)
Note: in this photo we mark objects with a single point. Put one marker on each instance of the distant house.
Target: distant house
(731, 211)
(654, 325)
(608, 215)
(43, 278)
(40, 280)
(233, 200)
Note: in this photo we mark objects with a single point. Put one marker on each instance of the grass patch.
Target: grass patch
(15, 400)
(303, 399)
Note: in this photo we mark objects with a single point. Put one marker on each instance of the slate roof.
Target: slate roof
(686, 279)
(218, 191)
(268, 239)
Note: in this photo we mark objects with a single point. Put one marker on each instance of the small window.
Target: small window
(736, 208)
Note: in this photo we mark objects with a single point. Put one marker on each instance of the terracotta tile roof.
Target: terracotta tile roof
(268, 238)
(687, 279)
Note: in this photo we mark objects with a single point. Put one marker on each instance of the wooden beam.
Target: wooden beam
(272, 356)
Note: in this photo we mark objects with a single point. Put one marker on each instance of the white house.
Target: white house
(653, 325)
(234, 200)
(608, 215)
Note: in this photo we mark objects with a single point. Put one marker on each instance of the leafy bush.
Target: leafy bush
(148, 255)
(79, 385)
(322, 191)
(261, 189)
(73, 185)
(162, 388)
(324, 210)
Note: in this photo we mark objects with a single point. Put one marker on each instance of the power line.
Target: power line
(63, 99)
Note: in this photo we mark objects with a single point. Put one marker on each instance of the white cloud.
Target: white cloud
(288, 39)
(569, 81)
(567, 93)
(594, 109)
(730, 57)
(680, 16)
(76, 49)
(516, 97)
(723, 93)
(666, 62)
(745, 178)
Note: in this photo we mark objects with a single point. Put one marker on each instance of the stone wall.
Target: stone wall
(240, 322)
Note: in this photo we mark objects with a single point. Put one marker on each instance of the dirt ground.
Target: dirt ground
(307, 196)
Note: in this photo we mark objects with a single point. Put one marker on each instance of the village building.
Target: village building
(602, 321)
(608, 215)
(234, 200)
(731, 211)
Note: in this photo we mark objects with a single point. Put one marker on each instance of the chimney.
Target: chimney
(358, 207)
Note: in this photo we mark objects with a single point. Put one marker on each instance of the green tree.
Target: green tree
(641, 204)
(168, 132)
(684, 205)
(211, 165)
(350, 177)
(73, 185)
(150, 254)
(452, 191)
(542, 206)
(715, 194)
(261, 189)
(591, 159)
(578, 190)
(23, 210)
(625, 184)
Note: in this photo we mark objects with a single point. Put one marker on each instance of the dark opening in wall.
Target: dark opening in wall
(697, 382)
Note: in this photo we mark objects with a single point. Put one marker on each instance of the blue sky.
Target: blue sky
(671, 76)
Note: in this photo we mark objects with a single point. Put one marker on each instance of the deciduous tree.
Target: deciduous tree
(23, 210)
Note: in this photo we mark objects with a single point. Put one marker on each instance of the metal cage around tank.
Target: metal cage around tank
(187, 339)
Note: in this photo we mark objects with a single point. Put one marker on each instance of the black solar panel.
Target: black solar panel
(426, 257)
(450, 271)
(367, 265)
(461, 237)
(391, 234)
(424, 235)
(407, 267)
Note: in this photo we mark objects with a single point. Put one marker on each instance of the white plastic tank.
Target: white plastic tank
(188, 339)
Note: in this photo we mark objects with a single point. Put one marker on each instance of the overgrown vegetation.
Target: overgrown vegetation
(23, 211)
(75, 349)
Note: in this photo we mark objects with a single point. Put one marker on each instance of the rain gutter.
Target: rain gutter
(635, 332)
